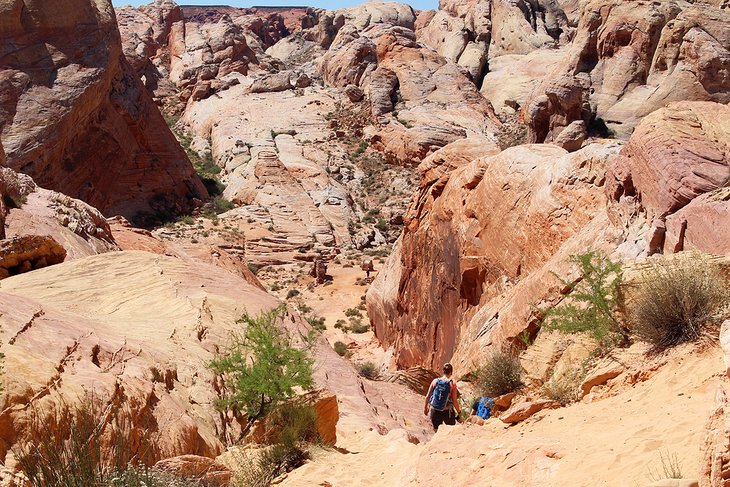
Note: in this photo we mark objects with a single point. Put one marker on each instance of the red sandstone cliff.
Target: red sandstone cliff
(75, 116)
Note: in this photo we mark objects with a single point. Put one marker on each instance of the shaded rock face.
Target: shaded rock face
(669, 179)
(77, 118)
(27, 211)
(471, 237)
(24, 254)
(629, 59)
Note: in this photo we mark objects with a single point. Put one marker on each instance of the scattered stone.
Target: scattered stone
(524, 410)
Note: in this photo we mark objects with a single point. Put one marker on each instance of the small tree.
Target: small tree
(591, 305)
(261, 369)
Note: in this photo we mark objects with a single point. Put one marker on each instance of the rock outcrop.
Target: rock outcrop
(475, 247)
(75, 116)
(669, 179)
(629, 59)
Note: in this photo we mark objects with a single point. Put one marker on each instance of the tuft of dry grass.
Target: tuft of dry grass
(683, 300)
(499, 374)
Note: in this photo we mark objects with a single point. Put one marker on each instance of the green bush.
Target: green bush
(499, 374)
(679, 301)
(591, 305)
(260, 368)
(318, 323)
(368, 370)
(293, 293)
(350, 312)
(340, 348)
(359, 327)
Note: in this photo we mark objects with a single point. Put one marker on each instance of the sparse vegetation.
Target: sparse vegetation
(349, 312)
(499, 374)
(670, 468)
(253, 268)
(564, 388)
(340, 348)
(357, 326)
(293, 293)
(679, 301)
(297, 431)
(368, 370)
(592, 302)
(89, 444)
(261, 368)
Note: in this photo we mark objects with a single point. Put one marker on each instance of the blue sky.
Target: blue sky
(329, 4)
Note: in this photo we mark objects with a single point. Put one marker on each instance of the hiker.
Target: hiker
(368, 267)
(481, 410)
(441, 399)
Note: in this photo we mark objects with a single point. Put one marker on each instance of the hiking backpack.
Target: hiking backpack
(440, 394)
(484, 410)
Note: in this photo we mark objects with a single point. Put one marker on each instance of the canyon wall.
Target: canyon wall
(75, 116)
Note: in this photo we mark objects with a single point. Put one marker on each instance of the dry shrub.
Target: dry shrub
(499, 374)
(679, 301)
(564, 388)
(368, 370)
(88, 444)
(297, 433)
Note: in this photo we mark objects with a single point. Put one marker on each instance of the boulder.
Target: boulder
(458, 252)
(201, 469)
(600, 375)
(670, 174)
(627, 60)
(571, 138)
(523, 410)
(714, 467)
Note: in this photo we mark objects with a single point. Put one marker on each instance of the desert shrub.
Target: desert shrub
(340, 348)
(293, 293)
(261, 368)
(564, 388)
(678, 301)
(297, 426)
(276, 286)
(670, 468)
(350, 312)
(368, 370)
(359, 327)
(341, 325)
(318, 323)
(499, 374)
(87, 444)
(12, 201)
(253, 268)
(591, 305)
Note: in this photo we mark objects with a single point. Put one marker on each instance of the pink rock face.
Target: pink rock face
(630, 58)
(671, 170)
(473, 234)
(75, 116)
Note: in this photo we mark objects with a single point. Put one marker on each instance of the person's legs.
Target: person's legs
(438, 417)
(450, 417)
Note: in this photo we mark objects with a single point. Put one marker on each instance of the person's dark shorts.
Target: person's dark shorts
(447, 416)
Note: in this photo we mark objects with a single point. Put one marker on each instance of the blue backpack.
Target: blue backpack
(440, 394)
(484, 410)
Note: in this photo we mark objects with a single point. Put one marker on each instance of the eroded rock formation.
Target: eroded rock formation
(629, 59)
(75, 116)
